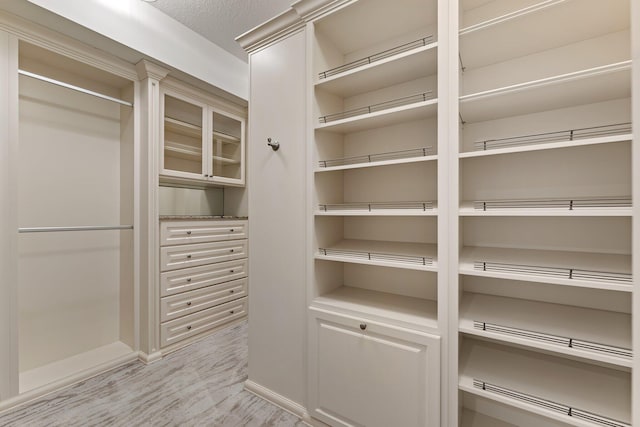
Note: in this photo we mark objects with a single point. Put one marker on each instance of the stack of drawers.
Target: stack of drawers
(203, 276)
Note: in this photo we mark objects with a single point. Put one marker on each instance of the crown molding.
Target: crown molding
(147, 69)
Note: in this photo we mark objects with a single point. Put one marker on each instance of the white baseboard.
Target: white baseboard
(149, 358)
(281, 402)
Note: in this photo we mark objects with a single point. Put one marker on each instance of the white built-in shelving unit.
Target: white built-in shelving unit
(545, 209)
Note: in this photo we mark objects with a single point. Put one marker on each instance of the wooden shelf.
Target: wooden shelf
(548, 146)
(183, 151)
(78, 366)
(472, 418)
(549, 24)
(182, 128)
(413, 256)
(378, 163)
(225, 160)
(549, 207)
(386, 307)
(593, 85)
(225, 138)
(388, 117)
(379, 209)
(563, 260)
(402, 67)
(602, 391)
(597, 326)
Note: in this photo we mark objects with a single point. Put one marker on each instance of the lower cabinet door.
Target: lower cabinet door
(364, 373)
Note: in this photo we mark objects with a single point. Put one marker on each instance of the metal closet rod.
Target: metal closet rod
(78, 228)
(72, 87)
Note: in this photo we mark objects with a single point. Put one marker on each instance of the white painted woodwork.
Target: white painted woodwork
(183, 256)
(277, 194)
(201, 321)
(200, 141)
(181, 232)
(188, 279)
(189, 302)
(365, 373)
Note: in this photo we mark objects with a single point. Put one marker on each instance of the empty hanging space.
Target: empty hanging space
(379, 72)
(76, 172)
(560, 389)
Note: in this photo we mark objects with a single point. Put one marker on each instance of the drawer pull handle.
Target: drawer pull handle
(189, 233)
(232, 291)
(189, 303)
(363, 326)
(231, 271)
(231, 250)
(188, 256)
(189, 280)
(189, 327)
(231, 231)
(231, 312)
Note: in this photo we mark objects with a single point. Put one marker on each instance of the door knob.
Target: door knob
(275, 145)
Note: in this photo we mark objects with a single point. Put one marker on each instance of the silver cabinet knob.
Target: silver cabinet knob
(188, 328)
(189, 280)
(188, 256)
(275, 145)
(188, 233)
(363, 326)
(189, 303)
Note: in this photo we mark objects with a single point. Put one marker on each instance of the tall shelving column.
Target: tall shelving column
(375, 163)
(545, 213)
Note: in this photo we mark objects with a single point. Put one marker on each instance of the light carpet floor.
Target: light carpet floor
(200, 385)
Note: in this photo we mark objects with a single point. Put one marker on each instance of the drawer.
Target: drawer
(189, 279)
(202, 321)
(183, 256)
(190, 302)
(187, 232)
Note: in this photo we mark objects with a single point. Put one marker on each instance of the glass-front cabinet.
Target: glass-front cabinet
(200, 142)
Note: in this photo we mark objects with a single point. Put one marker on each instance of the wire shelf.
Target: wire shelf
(373, 206)
(566, 204)
(377, 57)
(376, 256)
(559, 272)
(554, 339)
(399, 102)
(370, 158)
(559, 136)
(548, 404)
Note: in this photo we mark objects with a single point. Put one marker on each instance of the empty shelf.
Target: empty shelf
(377, 159)
(403, 63)
(593, 206)
(382, 306)
(184, 151)
(558, 388)
(183, 128)
(548, 24)
(225, 160)
(593, 270)
(379, 115)
(415, 256)
(597, 84)
(472, 418)
(427, 208)
(225, 137)
(593, 334)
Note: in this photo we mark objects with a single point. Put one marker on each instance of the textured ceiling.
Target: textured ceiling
(221, 21)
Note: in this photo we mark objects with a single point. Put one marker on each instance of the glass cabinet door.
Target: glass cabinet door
(183, 138)
(226, 147)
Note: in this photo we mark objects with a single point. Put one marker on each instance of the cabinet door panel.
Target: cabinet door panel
(379, 376)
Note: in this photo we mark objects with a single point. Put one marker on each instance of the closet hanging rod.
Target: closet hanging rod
(78, 228)
(72, 87)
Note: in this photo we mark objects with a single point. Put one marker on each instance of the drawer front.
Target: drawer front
(202, 321)
(184, 256)
(189, 279)
(190, 302)
(188, 232)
